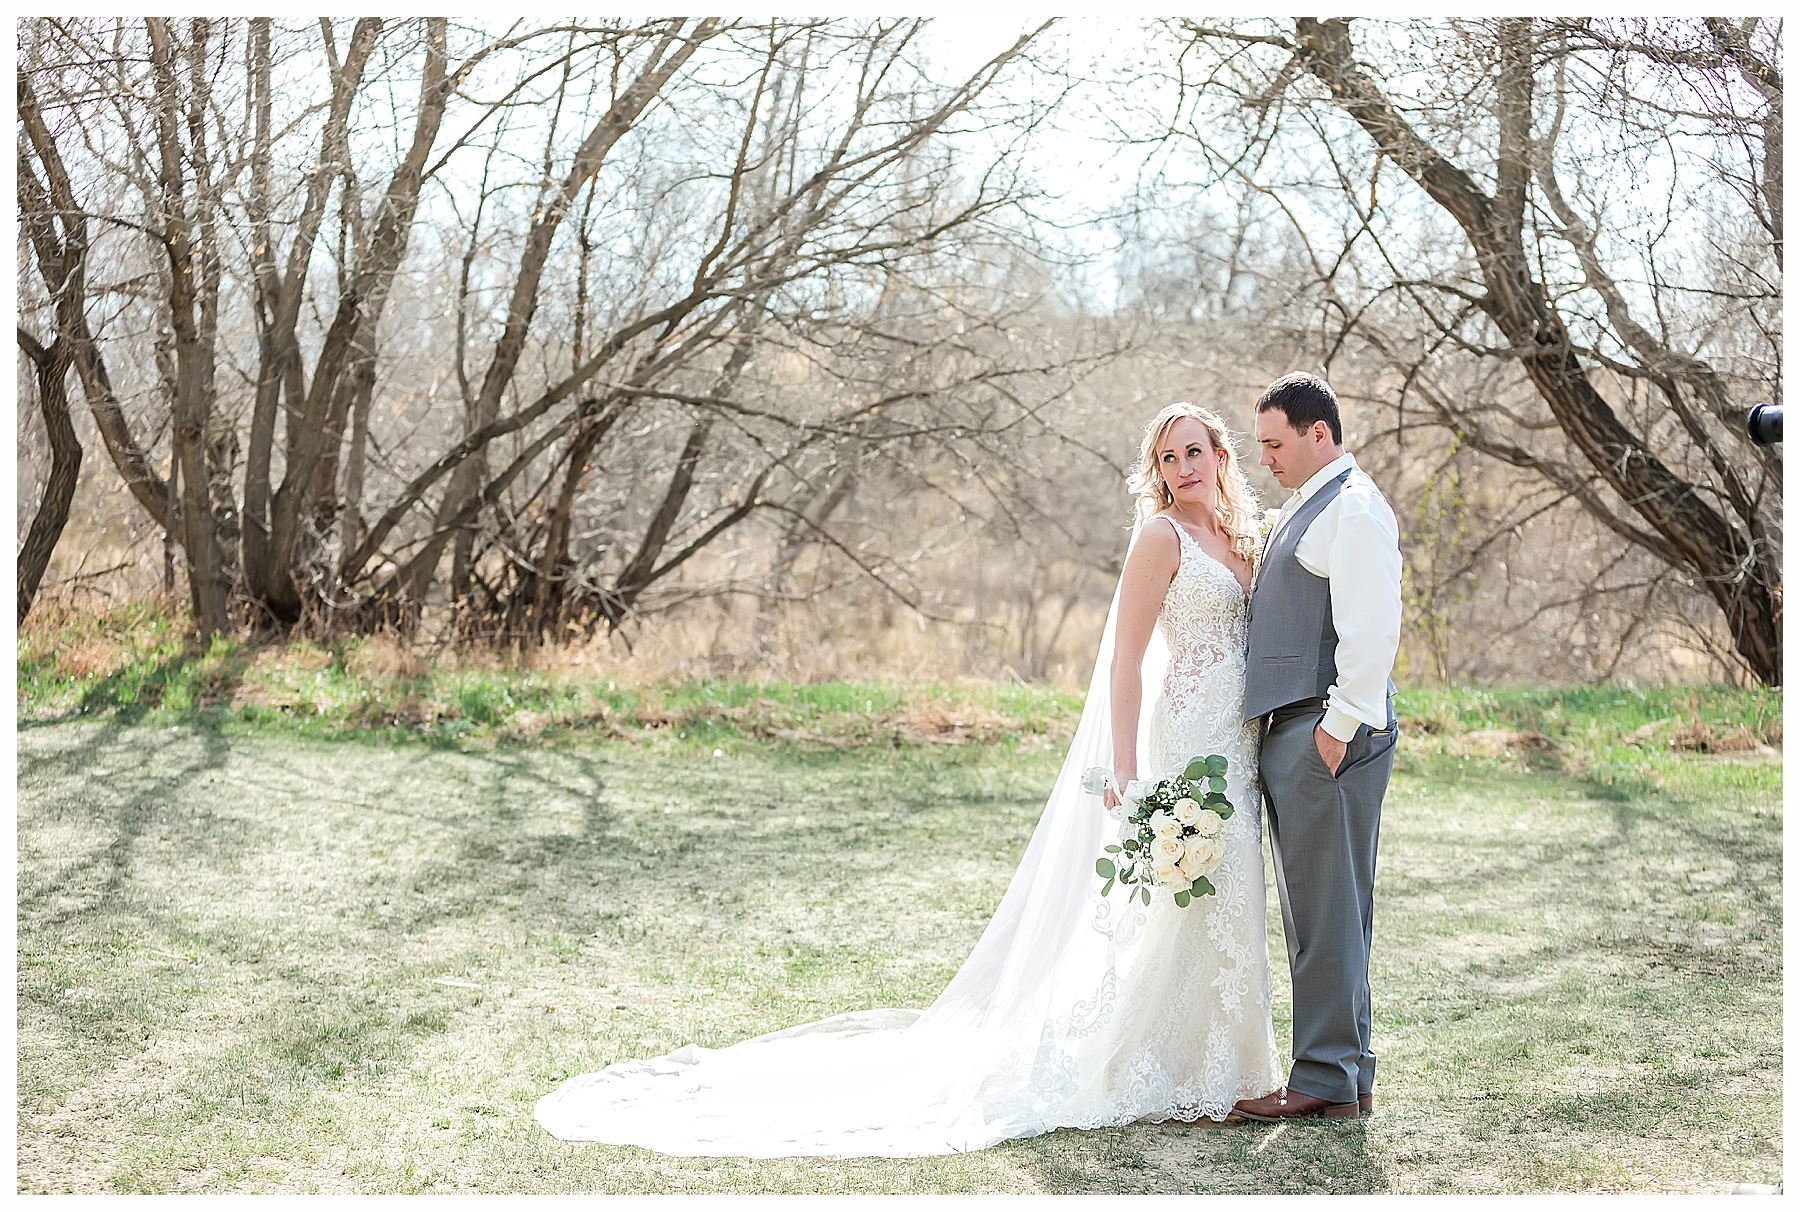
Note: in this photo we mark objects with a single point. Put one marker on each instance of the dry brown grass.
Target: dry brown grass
(386, 656)
(1699, 736)
(1499, 742)
(935, 723)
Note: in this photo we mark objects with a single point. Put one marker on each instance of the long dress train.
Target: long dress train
(1072, 1010)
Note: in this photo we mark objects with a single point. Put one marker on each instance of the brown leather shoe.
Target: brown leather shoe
(1291, 1104)
(1365, 1103)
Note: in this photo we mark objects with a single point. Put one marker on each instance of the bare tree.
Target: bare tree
(1628, 348)
(56, 231)
(741, 256)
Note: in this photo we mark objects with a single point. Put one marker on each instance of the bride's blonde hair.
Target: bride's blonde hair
(1237, 500)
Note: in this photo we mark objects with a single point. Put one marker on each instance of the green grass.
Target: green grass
(134, 664)
(253, 958)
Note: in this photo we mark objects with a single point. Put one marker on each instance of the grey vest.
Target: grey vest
(1293, 645)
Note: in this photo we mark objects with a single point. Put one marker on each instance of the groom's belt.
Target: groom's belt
(1300, 707)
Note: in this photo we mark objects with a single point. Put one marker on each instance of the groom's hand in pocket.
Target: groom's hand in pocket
(1331, 750)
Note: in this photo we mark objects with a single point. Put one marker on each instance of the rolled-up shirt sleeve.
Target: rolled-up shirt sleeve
(1362, 558)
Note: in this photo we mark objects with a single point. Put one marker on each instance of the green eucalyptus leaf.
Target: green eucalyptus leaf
(1145, 894)
(1111, 849)
(1196, 769)
(1216, 765)
(1106, 888)
(1202, 886)
(1105, 867)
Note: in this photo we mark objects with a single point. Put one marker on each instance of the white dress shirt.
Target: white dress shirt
(1354, 543)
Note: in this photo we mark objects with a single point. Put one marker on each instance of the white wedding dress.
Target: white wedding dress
(1071, 1011)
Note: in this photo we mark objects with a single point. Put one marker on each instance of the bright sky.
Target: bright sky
(1069, 160)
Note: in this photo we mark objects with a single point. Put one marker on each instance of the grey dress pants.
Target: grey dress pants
(1322, 828)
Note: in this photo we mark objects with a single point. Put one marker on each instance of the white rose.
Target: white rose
(1186, 811)
(1096, 780)
(1203, 854)
(1207, 822)
(1167, 851)
(1179, 882)
(1164, 825)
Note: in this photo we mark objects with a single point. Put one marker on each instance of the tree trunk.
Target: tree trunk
(351, 528)
(548, 592)
(272, 519)
(635, 577)
(207, 583)
(52, 514)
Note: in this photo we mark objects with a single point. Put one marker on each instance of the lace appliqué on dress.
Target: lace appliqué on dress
(1197, 997)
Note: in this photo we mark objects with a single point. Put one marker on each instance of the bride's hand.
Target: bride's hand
(1123, 779)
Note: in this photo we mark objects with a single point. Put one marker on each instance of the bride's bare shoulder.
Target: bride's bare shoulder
(1169, 533)
(1157, 546)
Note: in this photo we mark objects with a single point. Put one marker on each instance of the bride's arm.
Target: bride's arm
(1151, 565)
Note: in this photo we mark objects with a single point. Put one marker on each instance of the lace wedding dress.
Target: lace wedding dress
(1071, 1011)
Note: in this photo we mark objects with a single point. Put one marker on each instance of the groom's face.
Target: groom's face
(1291, 455)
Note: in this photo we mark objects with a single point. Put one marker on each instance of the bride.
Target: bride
(1073, 1010)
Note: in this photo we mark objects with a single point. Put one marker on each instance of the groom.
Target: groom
(1324, 628)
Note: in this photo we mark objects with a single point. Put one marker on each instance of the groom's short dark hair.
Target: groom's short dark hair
(1304, 398)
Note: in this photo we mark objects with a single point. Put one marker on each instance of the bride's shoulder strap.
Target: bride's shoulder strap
(1173, 524)
(1171, 555)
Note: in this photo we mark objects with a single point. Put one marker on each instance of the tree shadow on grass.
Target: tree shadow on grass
(1299, 1157)
(297, 1009)
(539, 876)
(502, 864)
(141, 797)
(1313, 1156)
(78, 902)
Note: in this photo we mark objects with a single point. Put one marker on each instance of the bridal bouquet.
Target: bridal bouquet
(1171, 834)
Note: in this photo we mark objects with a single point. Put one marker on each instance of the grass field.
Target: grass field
(317, 951)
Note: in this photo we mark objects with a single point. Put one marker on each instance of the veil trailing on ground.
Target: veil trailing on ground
(1046, 908)
(1022, 1040)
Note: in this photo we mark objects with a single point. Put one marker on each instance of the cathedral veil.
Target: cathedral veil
(1047, 906)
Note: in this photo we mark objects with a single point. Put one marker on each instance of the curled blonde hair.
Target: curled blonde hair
(1237, 500)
